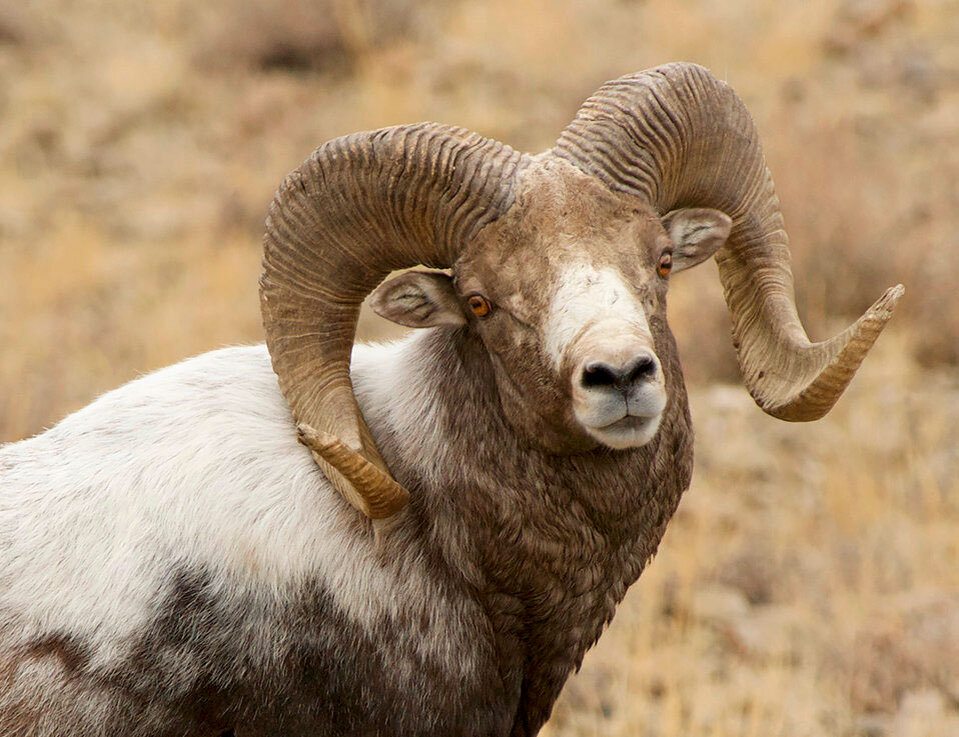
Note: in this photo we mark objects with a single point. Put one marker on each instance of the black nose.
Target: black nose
(600, 373)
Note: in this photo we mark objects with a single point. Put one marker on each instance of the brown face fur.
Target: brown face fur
(561, 217)
(563, 229)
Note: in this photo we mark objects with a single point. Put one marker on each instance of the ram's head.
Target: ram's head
(559, 261)
(567, 292)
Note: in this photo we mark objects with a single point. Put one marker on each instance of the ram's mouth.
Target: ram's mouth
(628, 423)
(630, 431)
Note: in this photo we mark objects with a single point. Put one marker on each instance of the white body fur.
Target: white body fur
(198, 464)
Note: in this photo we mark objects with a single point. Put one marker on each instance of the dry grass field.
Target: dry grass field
(809, 584)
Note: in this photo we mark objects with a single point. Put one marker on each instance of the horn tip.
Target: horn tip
(319, 442)
(816, 399)
(885, 305)
(367, 488)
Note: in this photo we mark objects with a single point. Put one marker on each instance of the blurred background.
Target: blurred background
(809, 584)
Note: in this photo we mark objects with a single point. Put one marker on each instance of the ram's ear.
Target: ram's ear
(697, 233)
(418, 299)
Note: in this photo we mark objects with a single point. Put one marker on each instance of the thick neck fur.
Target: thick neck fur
(547, 544)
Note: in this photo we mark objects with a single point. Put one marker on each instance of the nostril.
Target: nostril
(601, 374)
(598, 373)
(644, 367)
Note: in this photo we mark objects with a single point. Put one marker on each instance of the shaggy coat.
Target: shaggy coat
(174, 562)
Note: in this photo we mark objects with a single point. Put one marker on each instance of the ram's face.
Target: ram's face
(568, 294)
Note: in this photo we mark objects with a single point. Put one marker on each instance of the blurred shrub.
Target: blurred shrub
(10, 32)
(300, 35)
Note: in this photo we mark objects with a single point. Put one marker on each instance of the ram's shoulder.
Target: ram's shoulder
(223, 386)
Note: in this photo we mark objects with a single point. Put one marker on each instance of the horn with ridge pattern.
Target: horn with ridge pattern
(359, 207)
(678, 137)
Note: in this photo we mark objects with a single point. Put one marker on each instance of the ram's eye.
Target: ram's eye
(479, 305)
(665, 264)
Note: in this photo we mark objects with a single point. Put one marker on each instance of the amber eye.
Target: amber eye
(479, 305)
(665, 265)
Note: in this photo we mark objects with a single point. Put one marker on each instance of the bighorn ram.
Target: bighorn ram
(173, 562)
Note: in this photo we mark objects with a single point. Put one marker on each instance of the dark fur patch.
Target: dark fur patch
(71, 655)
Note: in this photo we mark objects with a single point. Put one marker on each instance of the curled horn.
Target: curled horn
(678, 137)
(359, 207)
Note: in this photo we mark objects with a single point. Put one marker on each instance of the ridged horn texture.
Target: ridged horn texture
(359, 207)
(678, 137)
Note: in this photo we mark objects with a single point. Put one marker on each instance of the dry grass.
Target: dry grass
(809, 582)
